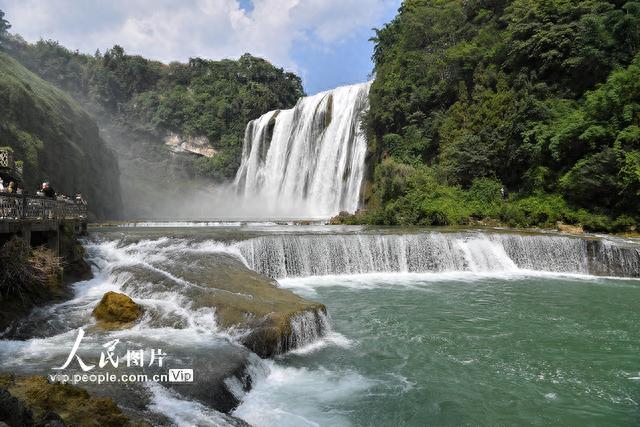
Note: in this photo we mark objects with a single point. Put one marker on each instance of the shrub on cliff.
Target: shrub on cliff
(25, 273)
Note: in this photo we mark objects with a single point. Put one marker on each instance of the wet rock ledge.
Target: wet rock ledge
(275, 320)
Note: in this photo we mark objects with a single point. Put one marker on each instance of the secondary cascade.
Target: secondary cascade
(307, 161)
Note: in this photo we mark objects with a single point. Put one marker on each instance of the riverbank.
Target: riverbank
(621, 228)
(32, 277)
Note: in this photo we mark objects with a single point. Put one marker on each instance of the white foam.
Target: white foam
(331, 339)
(296, 397)
(367, 281)
(183, 412)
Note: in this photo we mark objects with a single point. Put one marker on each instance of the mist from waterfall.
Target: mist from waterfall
(306, 162)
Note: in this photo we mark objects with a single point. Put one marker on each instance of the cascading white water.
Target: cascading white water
(316, 255)
(307, 161)
(307, 328)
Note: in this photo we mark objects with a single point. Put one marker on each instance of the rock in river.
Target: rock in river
(116, 310)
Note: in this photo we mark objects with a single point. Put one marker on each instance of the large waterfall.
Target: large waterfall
(307, 161)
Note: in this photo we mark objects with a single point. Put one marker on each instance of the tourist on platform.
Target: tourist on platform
(48, 190)
(1, 186)
(11, 188)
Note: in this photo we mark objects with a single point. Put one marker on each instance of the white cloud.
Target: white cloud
(176, 30)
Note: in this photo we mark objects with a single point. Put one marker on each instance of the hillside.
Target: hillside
(538, 98)
(57, 140)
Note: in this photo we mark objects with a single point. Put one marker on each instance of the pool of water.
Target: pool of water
(461, 350)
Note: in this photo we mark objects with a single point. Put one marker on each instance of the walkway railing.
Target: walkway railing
(14, 207)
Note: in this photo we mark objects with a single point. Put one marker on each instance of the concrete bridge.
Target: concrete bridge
(39, 220)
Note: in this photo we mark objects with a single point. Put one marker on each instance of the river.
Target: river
(428, 327)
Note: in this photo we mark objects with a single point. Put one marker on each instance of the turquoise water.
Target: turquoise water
(462, 350)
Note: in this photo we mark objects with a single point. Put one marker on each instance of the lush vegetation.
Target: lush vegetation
(214, 99)
(56, 139)
(540, 98)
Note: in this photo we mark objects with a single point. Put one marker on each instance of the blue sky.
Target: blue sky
(324, 41)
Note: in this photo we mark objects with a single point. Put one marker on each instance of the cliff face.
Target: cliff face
(156, 182)
(57, 140)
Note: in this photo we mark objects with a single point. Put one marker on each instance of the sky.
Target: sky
(323, 41)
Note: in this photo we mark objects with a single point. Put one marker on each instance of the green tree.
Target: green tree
(4, 27)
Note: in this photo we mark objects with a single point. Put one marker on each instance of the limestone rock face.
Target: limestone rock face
(570, 229)
(116, 310)
(186, 144)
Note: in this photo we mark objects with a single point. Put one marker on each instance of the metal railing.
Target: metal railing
(14, 207)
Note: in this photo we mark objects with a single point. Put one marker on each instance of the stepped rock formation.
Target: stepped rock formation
(314, 255)
(276, 320)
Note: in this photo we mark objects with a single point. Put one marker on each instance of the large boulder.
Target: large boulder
(275, 320)
(116, 310)
(13, 412)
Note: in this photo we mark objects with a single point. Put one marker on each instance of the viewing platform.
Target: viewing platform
(39, 220)
(36, 219)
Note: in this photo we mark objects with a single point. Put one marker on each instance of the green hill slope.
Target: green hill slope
(539, 99)
(57, 140)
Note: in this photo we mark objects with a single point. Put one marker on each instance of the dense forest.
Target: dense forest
(200, 98)
(536, 98)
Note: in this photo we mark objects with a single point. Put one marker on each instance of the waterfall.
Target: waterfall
(307, 161)
(316, 255)
(306, 328)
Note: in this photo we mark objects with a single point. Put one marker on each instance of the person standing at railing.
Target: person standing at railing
(48, 190)
(1, 186)
(11, 188)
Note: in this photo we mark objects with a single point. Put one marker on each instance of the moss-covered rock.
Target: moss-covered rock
(73, 405)
(249, 301)
(116, 310)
